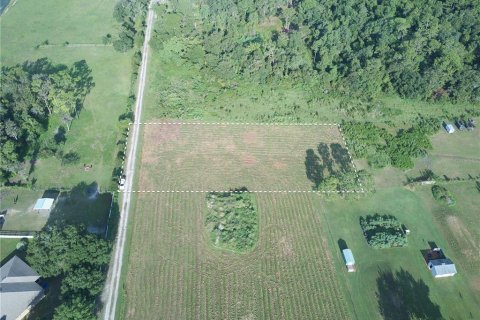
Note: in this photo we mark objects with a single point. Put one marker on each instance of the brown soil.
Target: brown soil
(248, 160)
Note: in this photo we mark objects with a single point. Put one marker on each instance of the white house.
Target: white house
(442, 268)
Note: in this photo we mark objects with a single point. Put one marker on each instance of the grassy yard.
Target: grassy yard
(453, 155)
(80, 205)
(396, 280)
(95, 133)
(7, 249)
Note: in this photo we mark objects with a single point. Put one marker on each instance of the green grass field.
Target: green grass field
(95, 133)
(289, 274)
(214, 157)
(421, 294)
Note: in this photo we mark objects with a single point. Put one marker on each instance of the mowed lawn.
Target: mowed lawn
(453, 155)
(95, 133)
(397, 280)
(192, 157)
(175, 273)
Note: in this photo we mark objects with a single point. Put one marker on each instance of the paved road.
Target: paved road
(110, 293)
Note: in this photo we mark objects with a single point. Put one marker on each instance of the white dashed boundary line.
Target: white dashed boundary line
(235, 191)
(339, 127)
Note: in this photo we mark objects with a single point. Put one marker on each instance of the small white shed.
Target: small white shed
(349, 260)
(43, 204)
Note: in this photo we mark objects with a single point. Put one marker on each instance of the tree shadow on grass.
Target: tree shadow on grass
(313, 167)
(331, 160)
(340, 156)
(327, 161)
(401, 297)
(83, 204)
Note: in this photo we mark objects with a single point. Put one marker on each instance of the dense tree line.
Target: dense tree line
(79, 260)
(417, 49)
(130, 14)
(38, 101)
(382, 148)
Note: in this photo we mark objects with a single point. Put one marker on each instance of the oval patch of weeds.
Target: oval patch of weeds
(232, 221)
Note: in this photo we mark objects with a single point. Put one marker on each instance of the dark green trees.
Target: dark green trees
(38, 102)
(79, 259)
(130, 14)
(383, 231)
(417, 49)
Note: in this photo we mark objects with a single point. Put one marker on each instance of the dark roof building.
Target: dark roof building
(19, 291)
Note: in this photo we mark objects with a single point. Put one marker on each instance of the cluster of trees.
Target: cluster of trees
(420, 49)
(382, 148)
(383, 231)
(79, 259)
(232, 221)
(346, 181)
(39, 100)
(330, 170)
(131, 15)
(441, 194)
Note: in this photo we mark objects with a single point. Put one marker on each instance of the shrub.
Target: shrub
(441, 194)
(232, 219)
(383, 231)
(70, 158)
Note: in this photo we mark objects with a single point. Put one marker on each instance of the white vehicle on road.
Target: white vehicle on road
(121, 183)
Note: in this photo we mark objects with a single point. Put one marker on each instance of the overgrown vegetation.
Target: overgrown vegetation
(131, 15)
(232, 221)
(419, 49)
(382, 148)
(383, 231)
(441, 194)
(39, 100)
(77, 258)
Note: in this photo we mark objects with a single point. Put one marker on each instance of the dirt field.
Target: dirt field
(219, 157)
(174, 273)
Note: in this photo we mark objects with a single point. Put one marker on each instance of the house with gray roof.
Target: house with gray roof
(442, 268)
(19, 291)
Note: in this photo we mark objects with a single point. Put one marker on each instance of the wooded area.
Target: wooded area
(79, 260)
(415, 49)
(39, 100)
